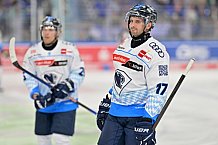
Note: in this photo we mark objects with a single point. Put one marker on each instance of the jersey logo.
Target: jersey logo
(133, 65)
(52, 77)
(59, 63)
(121, 79)
(50, 63)
(65, 51)
(163, 70)
(120, 58)
(144, 54)
(120, 47)
(155, 47)
(44, 62)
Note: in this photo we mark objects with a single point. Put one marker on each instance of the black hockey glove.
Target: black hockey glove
(145, 135)
(63, 89)
(103, 111)
(43, 101)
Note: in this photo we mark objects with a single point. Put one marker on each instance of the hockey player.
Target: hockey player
(58, 63)
(140, 84)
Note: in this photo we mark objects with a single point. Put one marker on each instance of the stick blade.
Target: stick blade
(12, 50)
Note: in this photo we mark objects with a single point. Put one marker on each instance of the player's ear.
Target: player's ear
(148, 27)
(59, 33)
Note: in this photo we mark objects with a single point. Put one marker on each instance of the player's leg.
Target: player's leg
(43, 128)
(61, 139)
(44, 139)
(130, 134)
(130, 137)
(63, 127)
(112, 133)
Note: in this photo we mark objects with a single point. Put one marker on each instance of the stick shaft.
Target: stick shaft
(178, 84)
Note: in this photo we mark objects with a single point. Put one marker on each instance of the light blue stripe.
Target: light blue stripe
(60, 107)
(136, 110)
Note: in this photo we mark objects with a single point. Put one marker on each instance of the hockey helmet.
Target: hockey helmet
(51, 22)
(148, 13)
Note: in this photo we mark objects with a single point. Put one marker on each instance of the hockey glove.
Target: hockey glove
(145, 135)
(62, 89)
(103, 111)
(41, 102)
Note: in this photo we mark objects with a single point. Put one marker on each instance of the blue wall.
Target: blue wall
(200, 50)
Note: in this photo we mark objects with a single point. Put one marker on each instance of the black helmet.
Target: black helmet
(148, 13)
(51, 21)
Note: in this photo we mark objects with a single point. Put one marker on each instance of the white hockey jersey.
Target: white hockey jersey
(140, 79)
(54, 66)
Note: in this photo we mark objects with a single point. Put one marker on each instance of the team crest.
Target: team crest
(52, 77)
(121, 79)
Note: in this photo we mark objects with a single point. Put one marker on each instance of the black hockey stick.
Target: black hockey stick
(188, 67)
(17, 65)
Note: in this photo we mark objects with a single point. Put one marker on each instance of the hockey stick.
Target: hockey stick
(188, 67)
(17, 65)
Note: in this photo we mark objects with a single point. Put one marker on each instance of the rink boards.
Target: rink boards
(98, 55)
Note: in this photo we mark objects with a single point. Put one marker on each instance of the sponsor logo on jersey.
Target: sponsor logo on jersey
(155, 47)
(144, 54)
(133, 65)
(50, 63)
(44, 62)
(60, 63)
(120, 58)
(120, 47)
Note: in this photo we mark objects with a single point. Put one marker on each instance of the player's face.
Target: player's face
(49, 34)
(136, 26)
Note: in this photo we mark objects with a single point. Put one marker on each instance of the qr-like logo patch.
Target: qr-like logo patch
(163, 70)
